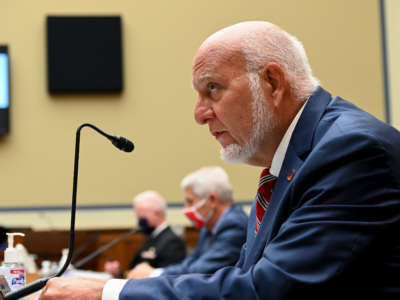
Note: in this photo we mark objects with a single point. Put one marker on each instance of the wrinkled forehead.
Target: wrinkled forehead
(212, 61)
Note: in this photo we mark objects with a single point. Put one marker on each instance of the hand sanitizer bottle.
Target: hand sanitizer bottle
(12, 268)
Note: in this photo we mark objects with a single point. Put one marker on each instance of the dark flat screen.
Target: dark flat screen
(84, 54)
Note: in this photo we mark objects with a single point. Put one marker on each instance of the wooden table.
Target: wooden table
(31, 277)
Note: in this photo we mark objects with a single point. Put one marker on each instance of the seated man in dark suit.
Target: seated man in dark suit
(163, 247)
(209, 205)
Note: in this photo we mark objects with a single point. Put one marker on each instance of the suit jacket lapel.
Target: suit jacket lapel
(276, 211)
(303, 134)
(279, 207)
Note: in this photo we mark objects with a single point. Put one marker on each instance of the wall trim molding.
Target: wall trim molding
(91, 207)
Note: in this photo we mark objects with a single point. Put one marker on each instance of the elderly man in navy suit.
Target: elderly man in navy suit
(209, 205)
(325, 223)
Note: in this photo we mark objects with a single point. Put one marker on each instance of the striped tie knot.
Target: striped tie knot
(264, 192)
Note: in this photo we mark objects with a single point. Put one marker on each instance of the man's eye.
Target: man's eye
(212, 87)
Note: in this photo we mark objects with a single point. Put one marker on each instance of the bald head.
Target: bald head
(258, 43)
(234, 35)
(150, 199)
(151, 206)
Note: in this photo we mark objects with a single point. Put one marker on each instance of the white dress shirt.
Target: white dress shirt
(280, 152)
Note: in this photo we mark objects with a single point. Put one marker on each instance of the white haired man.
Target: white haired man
(331, 176)
(163, 247)
(209, 205)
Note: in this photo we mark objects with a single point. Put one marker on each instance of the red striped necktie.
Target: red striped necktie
(264, 192)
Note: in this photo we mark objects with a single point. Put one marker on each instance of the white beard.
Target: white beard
(262, 124)
(235, 154)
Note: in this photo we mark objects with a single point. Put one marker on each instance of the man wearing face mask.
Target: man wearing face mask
(209, 205)
(163, 247)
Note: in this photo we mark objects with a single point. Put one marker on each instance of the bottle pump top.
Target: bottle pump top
(11, 254)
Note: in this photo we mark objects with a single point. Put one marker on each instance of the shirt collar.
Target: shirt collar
(215, 228)
(280, 152)
(159, 229)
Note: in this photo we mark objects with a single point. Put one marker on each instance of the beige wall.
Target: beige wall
(393, 42)
(155, 110)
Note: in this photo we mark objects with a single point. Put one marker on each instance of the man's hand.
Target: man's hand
(142, 270)
(113, 268)
(74, 288)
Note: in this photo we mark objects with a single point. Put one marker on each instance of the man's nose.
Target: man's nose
(203, 112)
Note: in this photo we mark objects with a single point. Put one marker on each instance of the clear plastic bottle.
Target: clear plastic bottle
(64, 256)
(45, 270)
(28, 260)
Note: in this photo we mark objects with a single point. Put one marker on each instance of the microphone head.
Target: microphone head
(122, 143)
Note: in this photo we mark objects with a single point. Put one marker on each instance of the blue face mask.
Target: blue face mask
(145, 227)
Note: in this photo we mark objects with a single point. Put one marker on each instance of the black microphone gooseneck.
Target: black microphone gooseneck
(84, 260)
(119, 142)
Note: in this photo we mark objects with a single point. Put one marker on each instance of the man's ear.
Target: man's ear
(213, 199)
(274, 82)
(160, 213)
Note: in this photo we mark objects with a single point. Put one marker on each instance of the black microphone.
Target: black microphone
(122, 144)
(118, 141)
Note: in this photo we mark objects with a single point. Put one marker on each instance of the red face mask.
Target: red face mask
(193, 215)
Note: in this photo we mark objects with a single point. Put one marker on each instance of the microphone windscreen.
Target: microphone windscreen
(123, 144)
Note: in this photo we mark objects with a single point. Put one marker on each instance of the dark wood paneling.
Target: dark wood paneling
(47, 245)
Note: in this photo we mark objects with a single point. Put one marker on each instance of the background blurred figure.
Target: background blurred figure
(209, 205)
(3, 238)
(163, 247)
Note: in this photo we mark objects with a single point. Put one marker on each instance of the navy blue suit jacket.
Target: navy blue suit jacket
(331, 230)
(214, 251)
